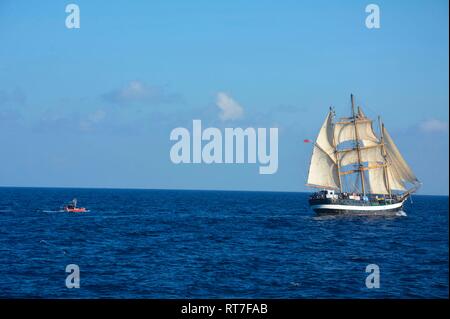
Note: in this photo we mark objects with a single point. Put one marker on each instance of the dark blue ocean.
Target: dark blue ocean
(211, 244)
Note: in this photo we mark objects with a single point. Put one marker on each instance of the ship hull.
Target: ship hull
(347, 208)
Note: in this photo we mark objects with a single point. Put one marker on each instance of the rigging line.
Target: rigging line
(371, 114)
(355, 186)
(357, 144)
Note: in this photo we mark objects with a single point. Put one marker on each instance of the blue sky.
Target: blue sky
(94, 107)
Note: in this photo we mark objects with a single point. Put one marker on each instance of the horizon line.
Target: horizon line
(181, 189)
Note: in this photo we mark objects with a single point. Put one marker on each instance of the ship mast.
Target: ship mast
(383, 149)
(336, 151)
(360, 168)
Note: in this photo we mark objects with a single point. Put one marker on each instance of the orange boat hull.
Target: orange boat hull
(75, 210)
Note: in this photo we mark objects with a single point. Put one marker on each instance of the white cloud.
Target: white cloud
(139, 92)
(92, 120)
(136, 90)
(229, 108)
(433, 126)
(97, 116)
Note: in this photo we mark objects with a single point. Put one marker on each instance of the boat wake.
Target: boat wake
(360, 215)
(63, 211)
(401, 213)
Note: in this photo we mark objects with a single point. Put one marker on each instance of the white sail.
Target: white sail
(378, 162)
(377, 181)
(345, 131)
(366, 155)
(395, 182)
(399, 171)
(325, 137)
(323, 171)
(396, 174)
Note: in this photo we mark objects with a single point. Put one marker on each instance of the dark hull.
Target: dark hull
(356, 212)
(336, 207)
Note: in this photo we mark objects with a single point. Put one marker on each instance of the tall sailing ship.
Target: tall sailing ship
(358, 171)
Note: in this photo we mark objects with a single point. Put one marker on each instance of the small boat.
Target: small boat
(72, 207)
(358, 171)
